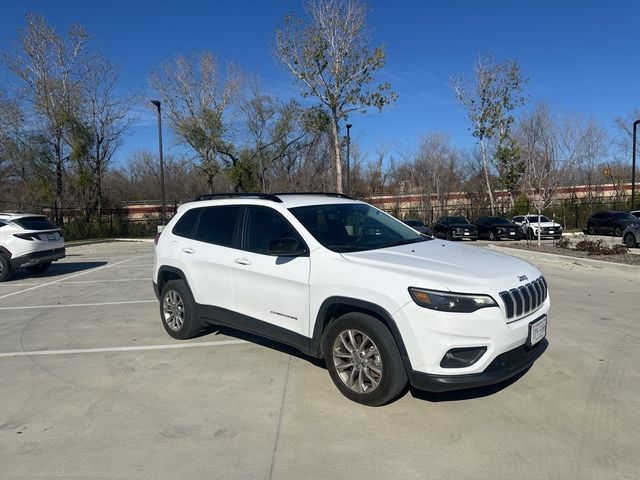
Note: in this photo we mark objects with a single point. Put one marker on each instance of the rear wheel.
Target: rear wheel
(41, 267)
(363, 359)
(630, 240)
(178, 310)
(5, 268)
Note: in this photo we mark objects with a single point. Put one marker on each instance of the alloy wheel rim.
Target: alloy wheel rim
(357, 361)
(173, 310)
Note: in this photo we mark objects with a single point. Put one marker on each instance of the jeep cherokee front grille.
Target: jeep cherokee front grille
(524, 299)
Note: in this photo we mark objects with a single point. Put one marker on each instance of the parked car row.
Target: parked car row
(490, 227)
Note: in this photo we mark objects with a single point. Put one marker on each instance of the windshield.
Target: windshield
(624, 216)
(534, 219)
(353, 227)
(499, 221)
(457, 220)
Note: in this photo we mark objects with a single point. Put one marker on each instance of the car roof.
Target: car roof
(289, 200)
(15, 216)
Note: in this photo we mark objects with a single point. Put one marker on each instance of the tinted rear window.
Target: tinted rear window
(186, 225)
(35, 223)
(217, 225)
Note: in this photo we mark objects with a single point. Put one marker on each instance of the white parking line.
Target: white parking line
(31, 307)
(140, 348)
(74, 276)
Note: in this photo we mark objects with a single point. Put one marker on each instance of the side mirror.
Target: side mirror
(286, 247)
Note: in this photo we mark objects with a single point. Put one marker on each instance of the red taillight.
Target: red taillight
(27, 236)
(157, 237)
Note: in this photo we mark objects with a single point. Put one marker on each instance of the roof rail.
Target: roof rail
(219, 196)
(326, 194)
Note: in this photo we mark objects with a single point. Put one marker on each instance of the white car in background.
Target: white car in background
(531, 223)
(28, 241)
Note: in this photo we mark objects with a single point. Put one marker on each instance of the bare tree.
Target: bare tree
(106, 114)
(197, 97)
(550, 149)
(47, 65)
(489, 99)
(330, 56)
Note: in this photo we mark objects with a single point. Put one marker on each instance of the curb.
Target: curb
(601, 264)
(79, 243)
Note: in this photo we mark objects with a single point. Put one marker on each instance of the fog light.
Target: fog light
(462, 357)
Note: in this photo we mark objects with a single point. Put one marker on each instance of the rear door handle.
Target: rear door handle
(188, 250)
(242, 261)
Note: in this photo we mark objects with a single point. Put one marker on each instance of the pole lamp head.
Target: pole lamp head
(156, 103)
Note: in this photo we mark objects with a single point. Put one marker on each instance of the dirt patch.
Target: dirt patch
(627, 258)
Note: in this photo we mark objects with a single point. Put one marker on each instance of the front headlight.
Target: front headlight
(450, 302)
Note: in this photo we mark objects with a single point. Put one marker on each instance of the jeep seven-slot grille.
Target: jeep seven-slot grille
(524, 299)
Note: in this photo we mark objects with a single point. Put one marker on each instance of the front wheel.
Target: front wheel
(178, 312)
(492, 236)
(41, 267)
(591, 230)
(617, 232)
(363, 359)
(630, 240)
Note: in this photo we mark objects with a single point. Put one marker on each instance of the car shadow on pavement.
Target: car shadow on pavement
(265, 342)
(466, 394)
(55, 270)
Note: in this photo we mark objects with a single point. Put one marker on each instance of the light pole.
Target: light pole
(633, 166)
(162, 212)
(348, 159)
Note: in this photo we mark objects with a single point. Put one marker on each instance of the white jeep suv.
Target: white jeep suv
(530, 224)
(28, 241)
(341, 280)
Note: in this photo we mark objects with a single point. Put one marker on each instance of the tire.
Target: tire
(341, 346)
(617, 232)
(5, 269)
(591, 230)
(41, 267)
(630, 240)
(178, 311)
(449, 236)
(492, 236)
(530, 235)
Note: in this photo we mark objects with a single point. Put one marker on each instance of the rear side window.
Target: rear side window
(265, 225)
(35, 223)
(217, 225)
(187, 223)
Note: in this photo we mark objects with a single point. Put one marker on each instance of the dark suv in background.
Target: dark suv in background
(610, 223)
(455, 228)
(497, 228)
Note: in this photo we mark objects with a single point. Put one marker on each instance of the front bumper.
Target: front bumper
(36, 258)
(502, 368)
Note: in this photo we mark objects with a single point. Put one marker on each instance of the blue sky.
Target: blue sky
(580, 57)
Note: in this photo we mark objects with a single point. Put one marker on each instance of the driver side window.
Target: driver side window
(265, 225)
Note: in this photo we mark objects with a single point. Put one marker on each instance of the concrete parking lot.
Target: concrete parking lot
(92, 387)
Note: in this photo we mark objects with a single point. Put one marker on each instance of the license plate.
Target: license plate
(51, 236)
(466, 233)
(512, 233)
(550, 231)
(537, 331)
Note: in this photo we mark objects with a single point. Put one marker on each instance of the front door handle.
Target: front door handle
(242, 261)
(188, 250)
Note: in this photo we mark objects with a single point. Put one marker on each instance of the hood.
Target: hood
(449, 266)
(545, 224)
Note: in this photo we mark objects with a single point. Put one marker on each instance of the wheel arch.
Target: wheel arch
(166, 273)
(334, 307)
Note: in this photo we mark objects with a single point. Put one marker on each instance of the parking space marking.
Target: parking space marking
(31, 307)
(74, 276)
(108, 281)
(140, 348)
